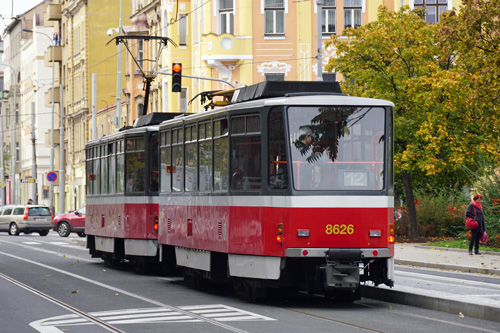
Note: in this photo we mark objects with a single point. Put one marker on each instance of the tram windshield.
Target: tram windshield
(337, 147)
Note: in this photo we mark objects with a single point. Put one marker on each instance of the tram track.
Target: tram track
(78, 312)
(123, 292)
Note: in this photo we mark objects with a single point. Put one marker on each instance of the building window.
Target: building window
(226, 16)
(183, 101)
(140, 52)
(165, 96)
(352, 13)
(434, 8)
(17, 114)
(183, 30)
(275, 77)
(274, 11)
(328, 17)
(17, 151)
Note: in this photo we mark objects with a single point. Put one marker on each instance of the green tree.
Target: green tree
(402, 59)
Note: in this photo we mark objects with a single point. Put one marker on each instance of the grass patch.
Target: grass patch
(456, 243)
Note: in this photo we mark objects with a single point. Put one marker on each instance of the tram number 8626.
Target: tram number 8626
(339, 229)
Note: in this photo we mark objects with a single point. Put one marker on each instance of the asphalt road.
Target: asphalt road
(50, 284)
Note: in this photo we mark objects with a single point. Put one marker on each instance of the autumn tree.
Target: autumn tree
(403, 59)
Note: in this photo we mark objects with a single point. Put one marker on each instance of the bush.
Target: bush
(439, 214)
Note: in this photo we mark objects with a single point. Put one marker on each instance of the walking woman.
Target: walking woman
(475, 211)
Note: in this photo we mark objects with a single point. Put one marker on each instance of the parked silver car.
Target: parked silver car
(25, 218)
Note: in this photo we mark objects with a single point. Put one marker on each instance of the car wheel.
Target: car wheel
(81, 234)
(43, 233)
(13, 229)
(63, 229)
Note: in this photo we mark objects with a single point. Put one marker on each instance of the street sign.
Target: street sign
(2, 184)
(52, 176)
(29, 180)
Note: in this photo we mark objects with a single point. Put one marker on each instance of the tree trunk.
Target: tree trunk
(410, 205)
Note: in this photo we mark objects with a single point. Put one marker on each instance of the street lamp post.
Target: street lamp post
(52, 123)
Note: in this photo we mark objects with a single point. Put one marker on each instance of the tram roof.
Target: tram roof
(299, 99)
(131, 130)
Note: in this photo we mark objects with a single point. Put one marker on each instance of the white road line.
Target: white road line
(159, 315)
(130, 294)
(54, 252)
(32, 243)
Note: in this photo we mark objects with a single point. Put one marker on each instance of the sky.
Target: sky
(20, 6)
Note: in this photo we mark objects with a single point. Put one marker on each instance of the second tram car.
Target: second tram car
(122, 193)
(289, 185)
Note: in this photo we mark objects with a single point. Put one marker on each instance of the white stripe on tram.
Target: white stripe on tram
(316, 201)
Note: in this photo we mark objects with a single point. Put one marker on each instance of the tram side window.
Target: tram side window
(221, 155)
(104, 170)
(278, 161)
(120, 167)
(246, 153)
(205, 153)
(153, 151)
(88, 168)
(191, 174)
(96, 168)
(135, 159)
(177, 160)
(112, 167)
(166, 162)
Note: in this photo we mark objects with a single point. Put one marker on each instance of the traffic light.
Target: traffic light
(176, 77)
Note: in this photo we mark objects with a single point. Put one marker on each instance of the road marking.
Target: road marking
(128, 293)
(77, 312)
(58, 243)
(32, 243)
(69, 256)
(219, 312)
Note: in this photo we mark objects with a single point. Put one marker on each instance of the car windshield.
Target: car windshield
(39, 211)
(337, 147)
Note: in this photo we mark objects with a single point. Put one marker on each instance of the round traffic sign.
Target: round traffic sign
(52, 176)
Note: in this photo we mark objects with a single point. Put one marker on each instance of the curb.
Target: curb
(432, 303)
(454, 249)
(448, 267)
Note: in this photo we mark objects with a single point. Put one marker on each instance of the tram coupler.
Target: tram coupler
(342, 268)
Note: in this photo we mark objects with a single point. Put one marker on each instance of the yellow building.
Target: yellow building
(83, 35)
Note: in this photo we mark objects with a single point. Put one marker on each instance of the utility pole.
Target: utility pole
(33, 150)
(13, 149)
(119, 78)
(319, 9)
(62, 179)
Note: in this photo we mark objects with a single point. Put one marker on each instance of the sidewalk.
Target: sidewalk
(477, 296)
(448, 259)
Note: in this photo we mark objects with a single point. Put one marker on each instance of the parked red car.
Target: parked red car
(70, 222)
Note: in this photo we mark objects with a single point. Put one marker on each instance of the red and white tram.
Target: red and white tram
(122, 193)
(289, 185)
